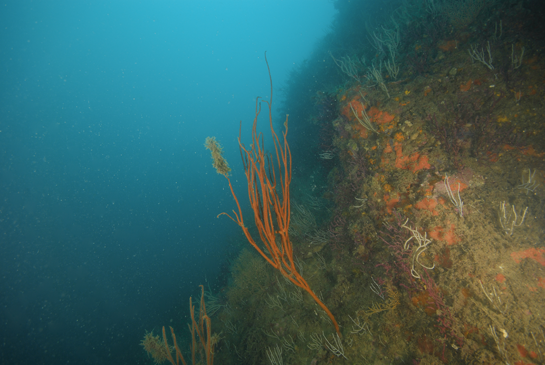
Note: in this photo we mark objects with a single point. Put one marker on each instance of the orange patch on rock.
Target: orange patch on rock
(529, 61)
(453, 183)
(356, 105)
(428, 191)
(492, 157)
(448, 45)
(378, 116)
(466, 87)
(428, 304)
(530, 151)
(362, 131)
(427, 204)
(441, 234)
(413, 162)
(500, 278)
(375, 115)
(443, 259)
(390, 203)
(388, 149)
(541, 282)
(531, 253)
(522, 350)
(427, 91)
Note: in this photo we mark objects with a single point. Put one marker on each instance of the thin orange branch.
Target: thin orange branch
(206, 340)
(178, 352)
(264, 197)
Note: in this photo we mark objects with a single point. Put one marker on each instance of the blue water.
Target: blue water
(108, 199)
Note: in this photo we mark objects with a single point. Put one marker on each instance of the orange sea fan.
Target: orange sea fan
(268, 182)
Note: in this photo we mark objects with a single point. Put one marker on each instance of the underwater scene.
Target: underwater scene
(380, 202)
